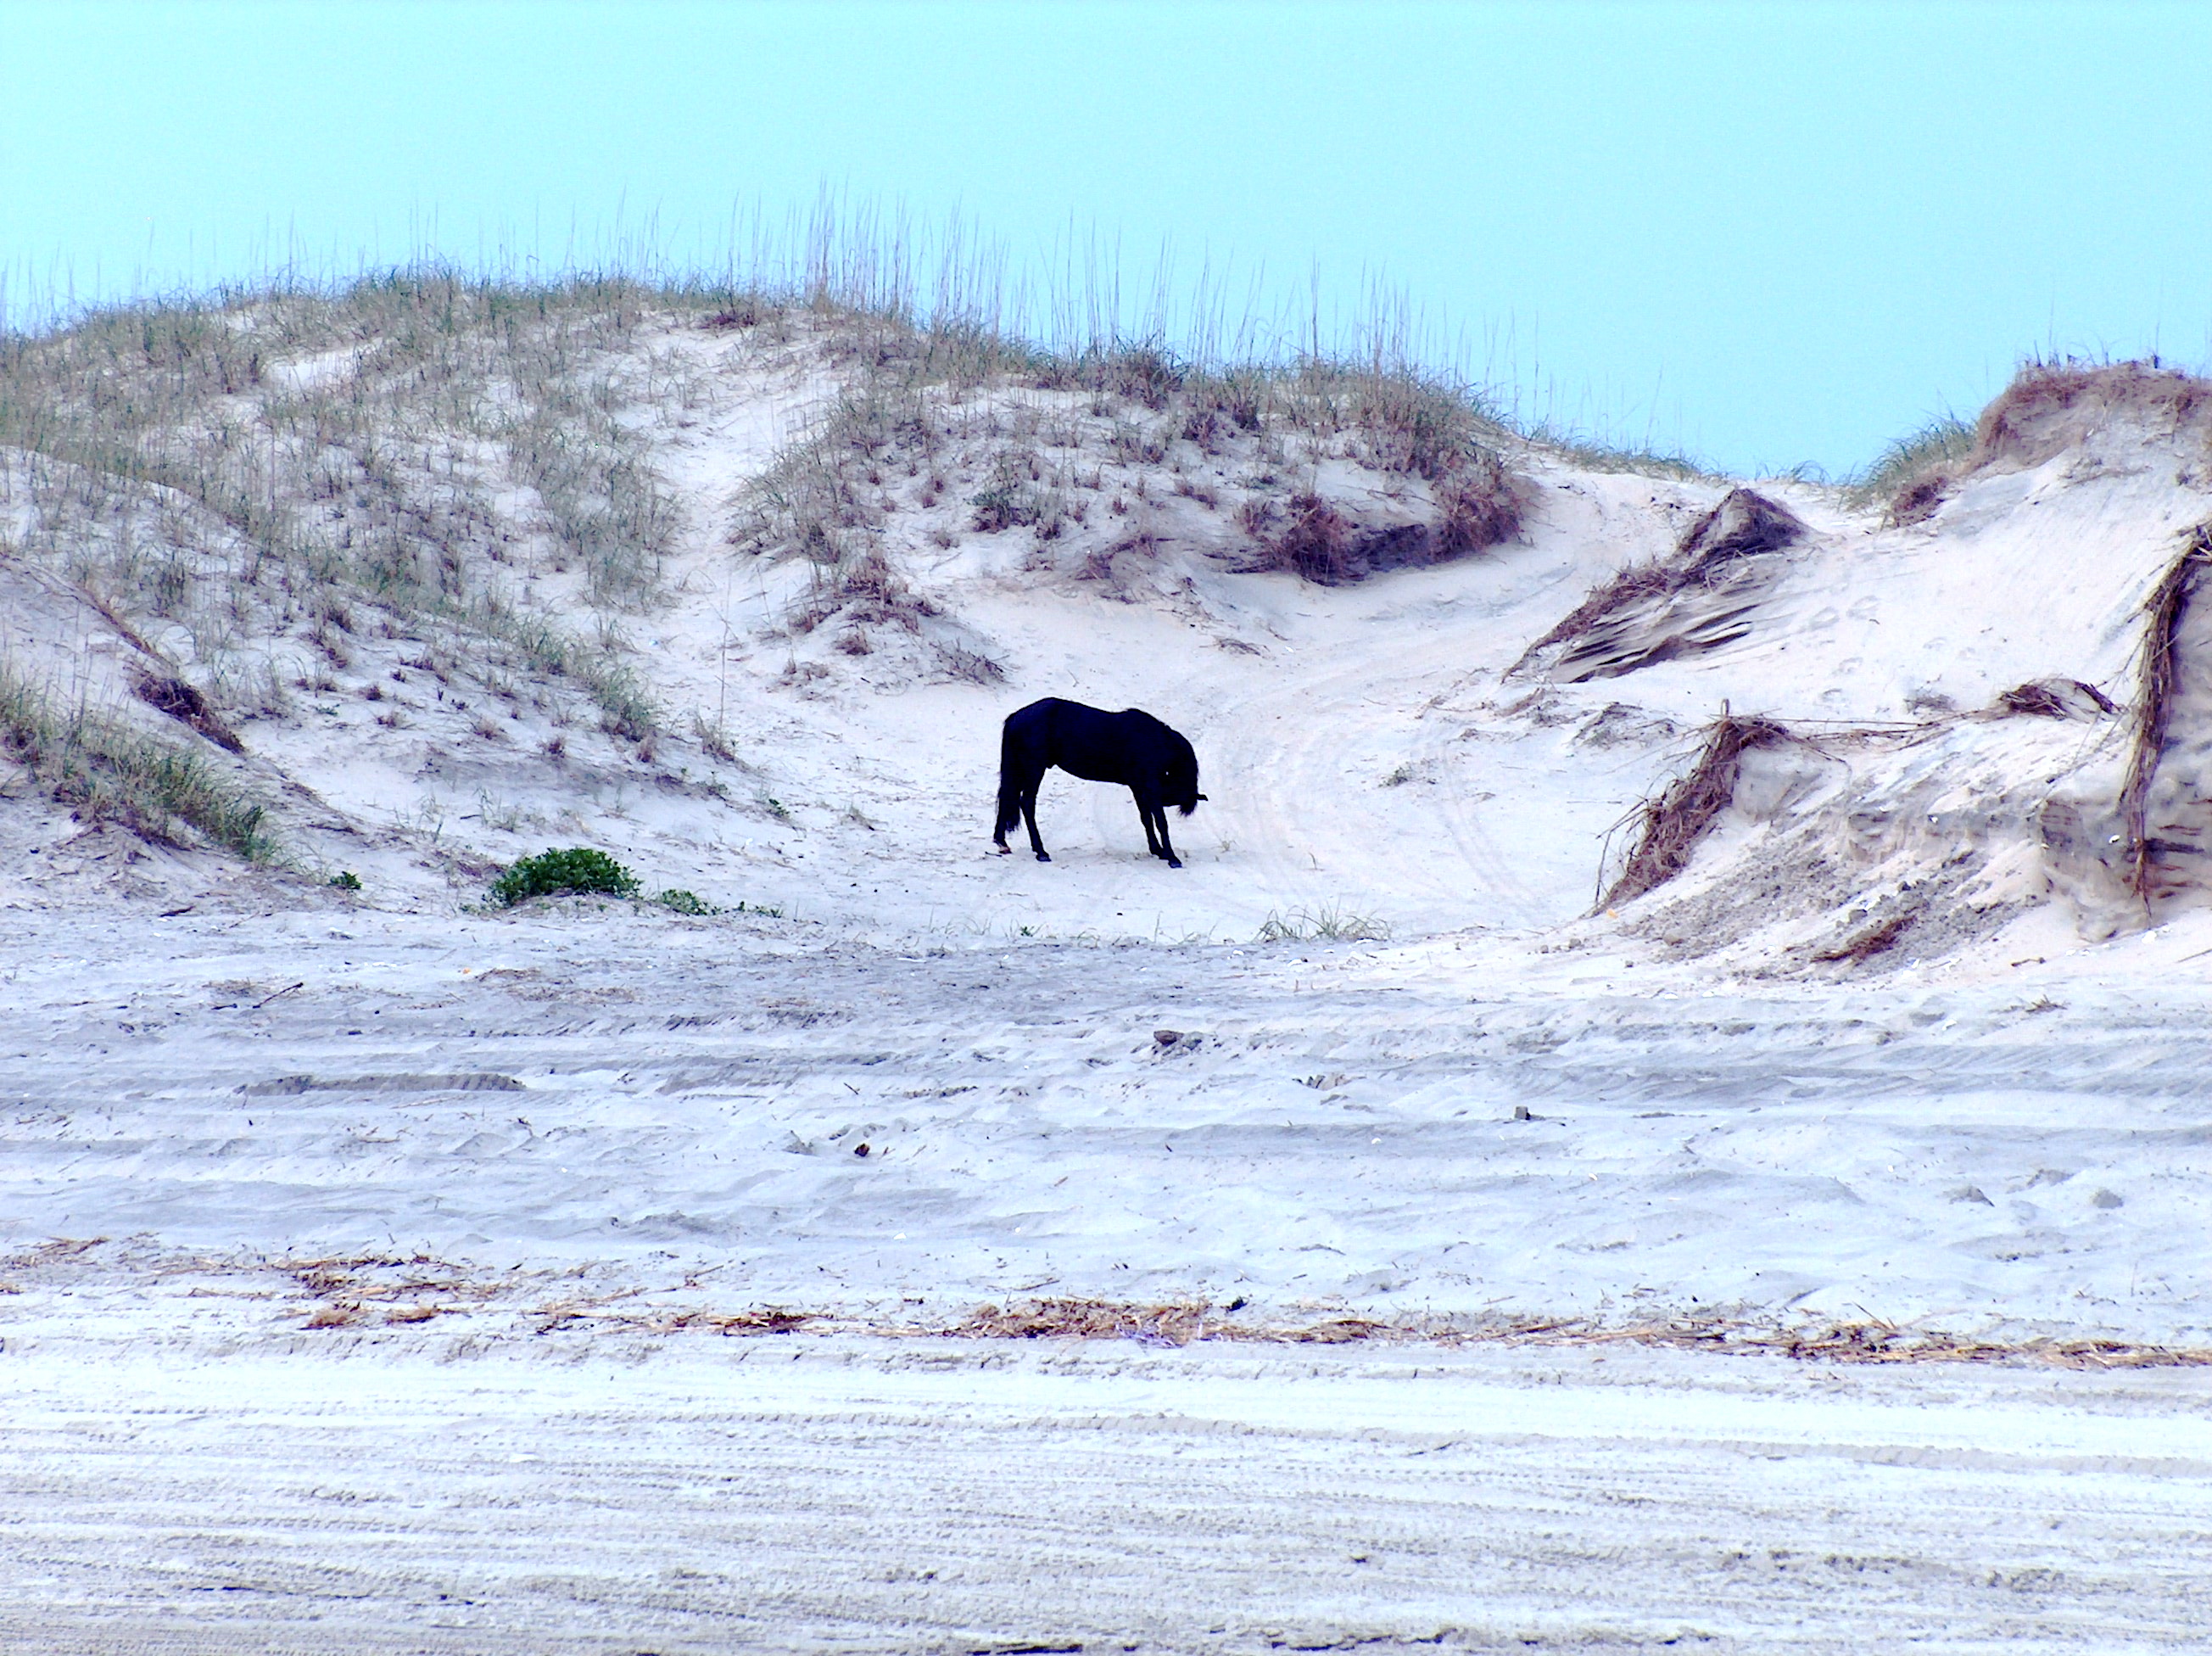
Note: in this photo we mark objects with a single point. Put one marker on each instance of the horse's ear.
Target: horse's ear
(1201, 797)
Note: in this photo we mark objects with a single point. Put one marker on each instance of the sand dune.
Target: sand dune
(1889, 1048)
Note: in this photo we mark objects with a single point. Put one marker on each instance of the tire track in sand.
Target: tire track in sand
(794, 1496)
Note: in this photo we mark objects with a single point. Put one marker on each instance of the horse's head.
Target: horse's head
(1179, 783)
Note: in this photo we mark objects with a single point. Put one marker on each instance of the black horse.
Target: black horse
(1130, 747)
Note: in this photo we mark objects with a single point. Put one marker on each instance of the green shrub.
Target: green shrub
(580, 868)
(685, 902)
(347, 881)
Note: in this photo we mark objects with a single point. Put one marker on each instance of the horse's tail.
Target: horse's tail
(1010, 787)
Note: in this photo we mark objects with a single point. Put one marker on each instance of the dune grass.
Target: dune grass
(1026, 437)
(474, 458)
(104, 770)
(426, 445)
(1588, 454)
(1908, 478)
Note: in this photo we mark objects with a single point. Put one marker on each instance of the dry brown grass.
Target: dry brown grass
(1673, 822)
(1632, 585)
(1741, 524)
(1873, 1341)
(2050, 404)
(166, 693)
(1084, 1319)
(1172, 1323)
(1483, 506)
(2048, 698)
(2047, 407)
(1477, 506)
(765, 1319)
(388, 1290)
(1314, 543)
(2035, 701)
(1917, 499)
(862, 589)
(2155, 675)
(1878, 939)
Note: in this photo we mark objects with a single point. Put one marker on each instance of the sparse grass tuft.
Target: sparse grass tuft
(1587, 455)
(1326, 924)
(1315, 542)
(970, 667)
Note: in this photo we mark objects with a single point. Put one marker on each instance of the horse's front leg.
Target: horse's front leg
(1145, 811)
(1167, 850)
(1154, 813)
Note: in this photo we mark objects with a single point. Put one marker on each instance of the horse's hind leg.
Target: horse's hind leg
(1015, 777)
(1029, 816)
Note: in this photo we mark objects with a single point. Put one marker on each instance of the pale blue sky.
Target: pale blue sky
(1767, 234)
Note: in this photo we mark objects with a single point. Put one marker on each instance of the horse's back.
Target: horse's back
(1042, 720)
(1089, 742)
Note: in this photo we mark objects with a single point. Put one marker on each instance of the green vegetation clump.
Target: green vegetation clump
(579, 869)
(682, 902)
(346, 880)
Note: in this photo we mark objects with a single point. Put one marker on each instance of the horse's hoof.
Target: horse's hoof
(1174, 863)
(1005, 850)
(1044, 856)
